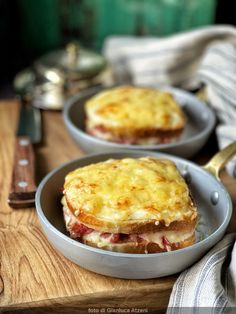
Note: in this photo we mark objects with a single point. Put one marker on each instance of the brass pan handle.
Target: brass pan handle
(217, 162)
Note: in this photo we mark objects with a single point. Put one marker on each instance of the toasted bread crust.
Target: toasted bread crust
(143, 247)
(134, 226)
(136, 136)
(141, 132)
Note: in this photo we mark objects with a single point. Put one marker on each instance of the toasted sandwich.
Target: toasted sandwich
(134, 115)
(130, 205)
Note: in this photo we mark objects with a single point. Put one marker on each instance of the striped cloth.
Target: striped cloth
(187, 60)
(210, 285)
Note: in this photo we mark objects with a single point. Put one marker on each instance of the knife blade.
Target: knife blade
(23, 187)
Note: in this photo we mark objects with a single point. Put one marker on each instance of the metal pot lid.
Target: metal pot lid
(74, 62)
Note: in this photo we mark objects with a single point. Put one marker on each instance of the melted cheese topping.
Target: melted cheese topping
(135, 108)
(130, 189)
(172, 236)
(157, 237)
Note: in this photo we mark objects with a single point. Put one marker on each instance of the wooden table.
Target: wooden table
(34, 278)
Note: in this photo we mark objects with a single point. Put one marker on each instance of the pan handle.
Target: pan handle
(217, 162)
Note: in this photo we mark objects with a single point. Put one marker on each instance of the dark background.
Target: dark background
(16, 53)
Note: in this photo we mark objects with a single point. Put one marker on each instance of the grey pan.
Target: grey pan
(212, 199)
(200, 123)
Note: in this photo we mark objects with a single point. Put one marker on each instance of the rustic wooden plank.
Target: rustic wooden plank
(56, 148)
(139, 299)
(34, 278)
(8, 118)
(32, 273)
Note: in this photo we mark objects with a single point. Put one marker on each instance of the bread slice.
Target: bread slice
(134, 115)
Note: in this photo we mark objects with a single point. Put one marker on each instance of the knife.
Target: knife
(23, 187)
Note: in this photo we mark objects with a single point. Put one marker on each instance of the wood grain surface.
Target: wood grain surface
(34, 278)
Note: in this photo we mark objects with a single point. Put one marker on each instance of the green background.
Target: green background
(47, 24)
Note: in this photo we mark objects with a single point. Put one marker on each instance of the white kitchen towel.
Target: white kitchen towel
(203, 56)
(210, 285)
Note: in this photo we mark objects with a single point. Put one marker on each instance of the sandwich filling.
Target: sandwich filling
(150, 138)
(81, 232)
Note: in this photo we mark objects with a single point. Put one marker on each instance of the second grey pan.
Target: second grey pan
(200, 123)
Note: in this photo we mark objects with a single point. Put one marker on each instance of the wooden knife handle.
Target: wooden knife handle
(23, 187)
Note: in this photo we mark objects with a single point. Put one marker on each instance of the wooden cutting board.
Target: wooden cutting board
(34, 278)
